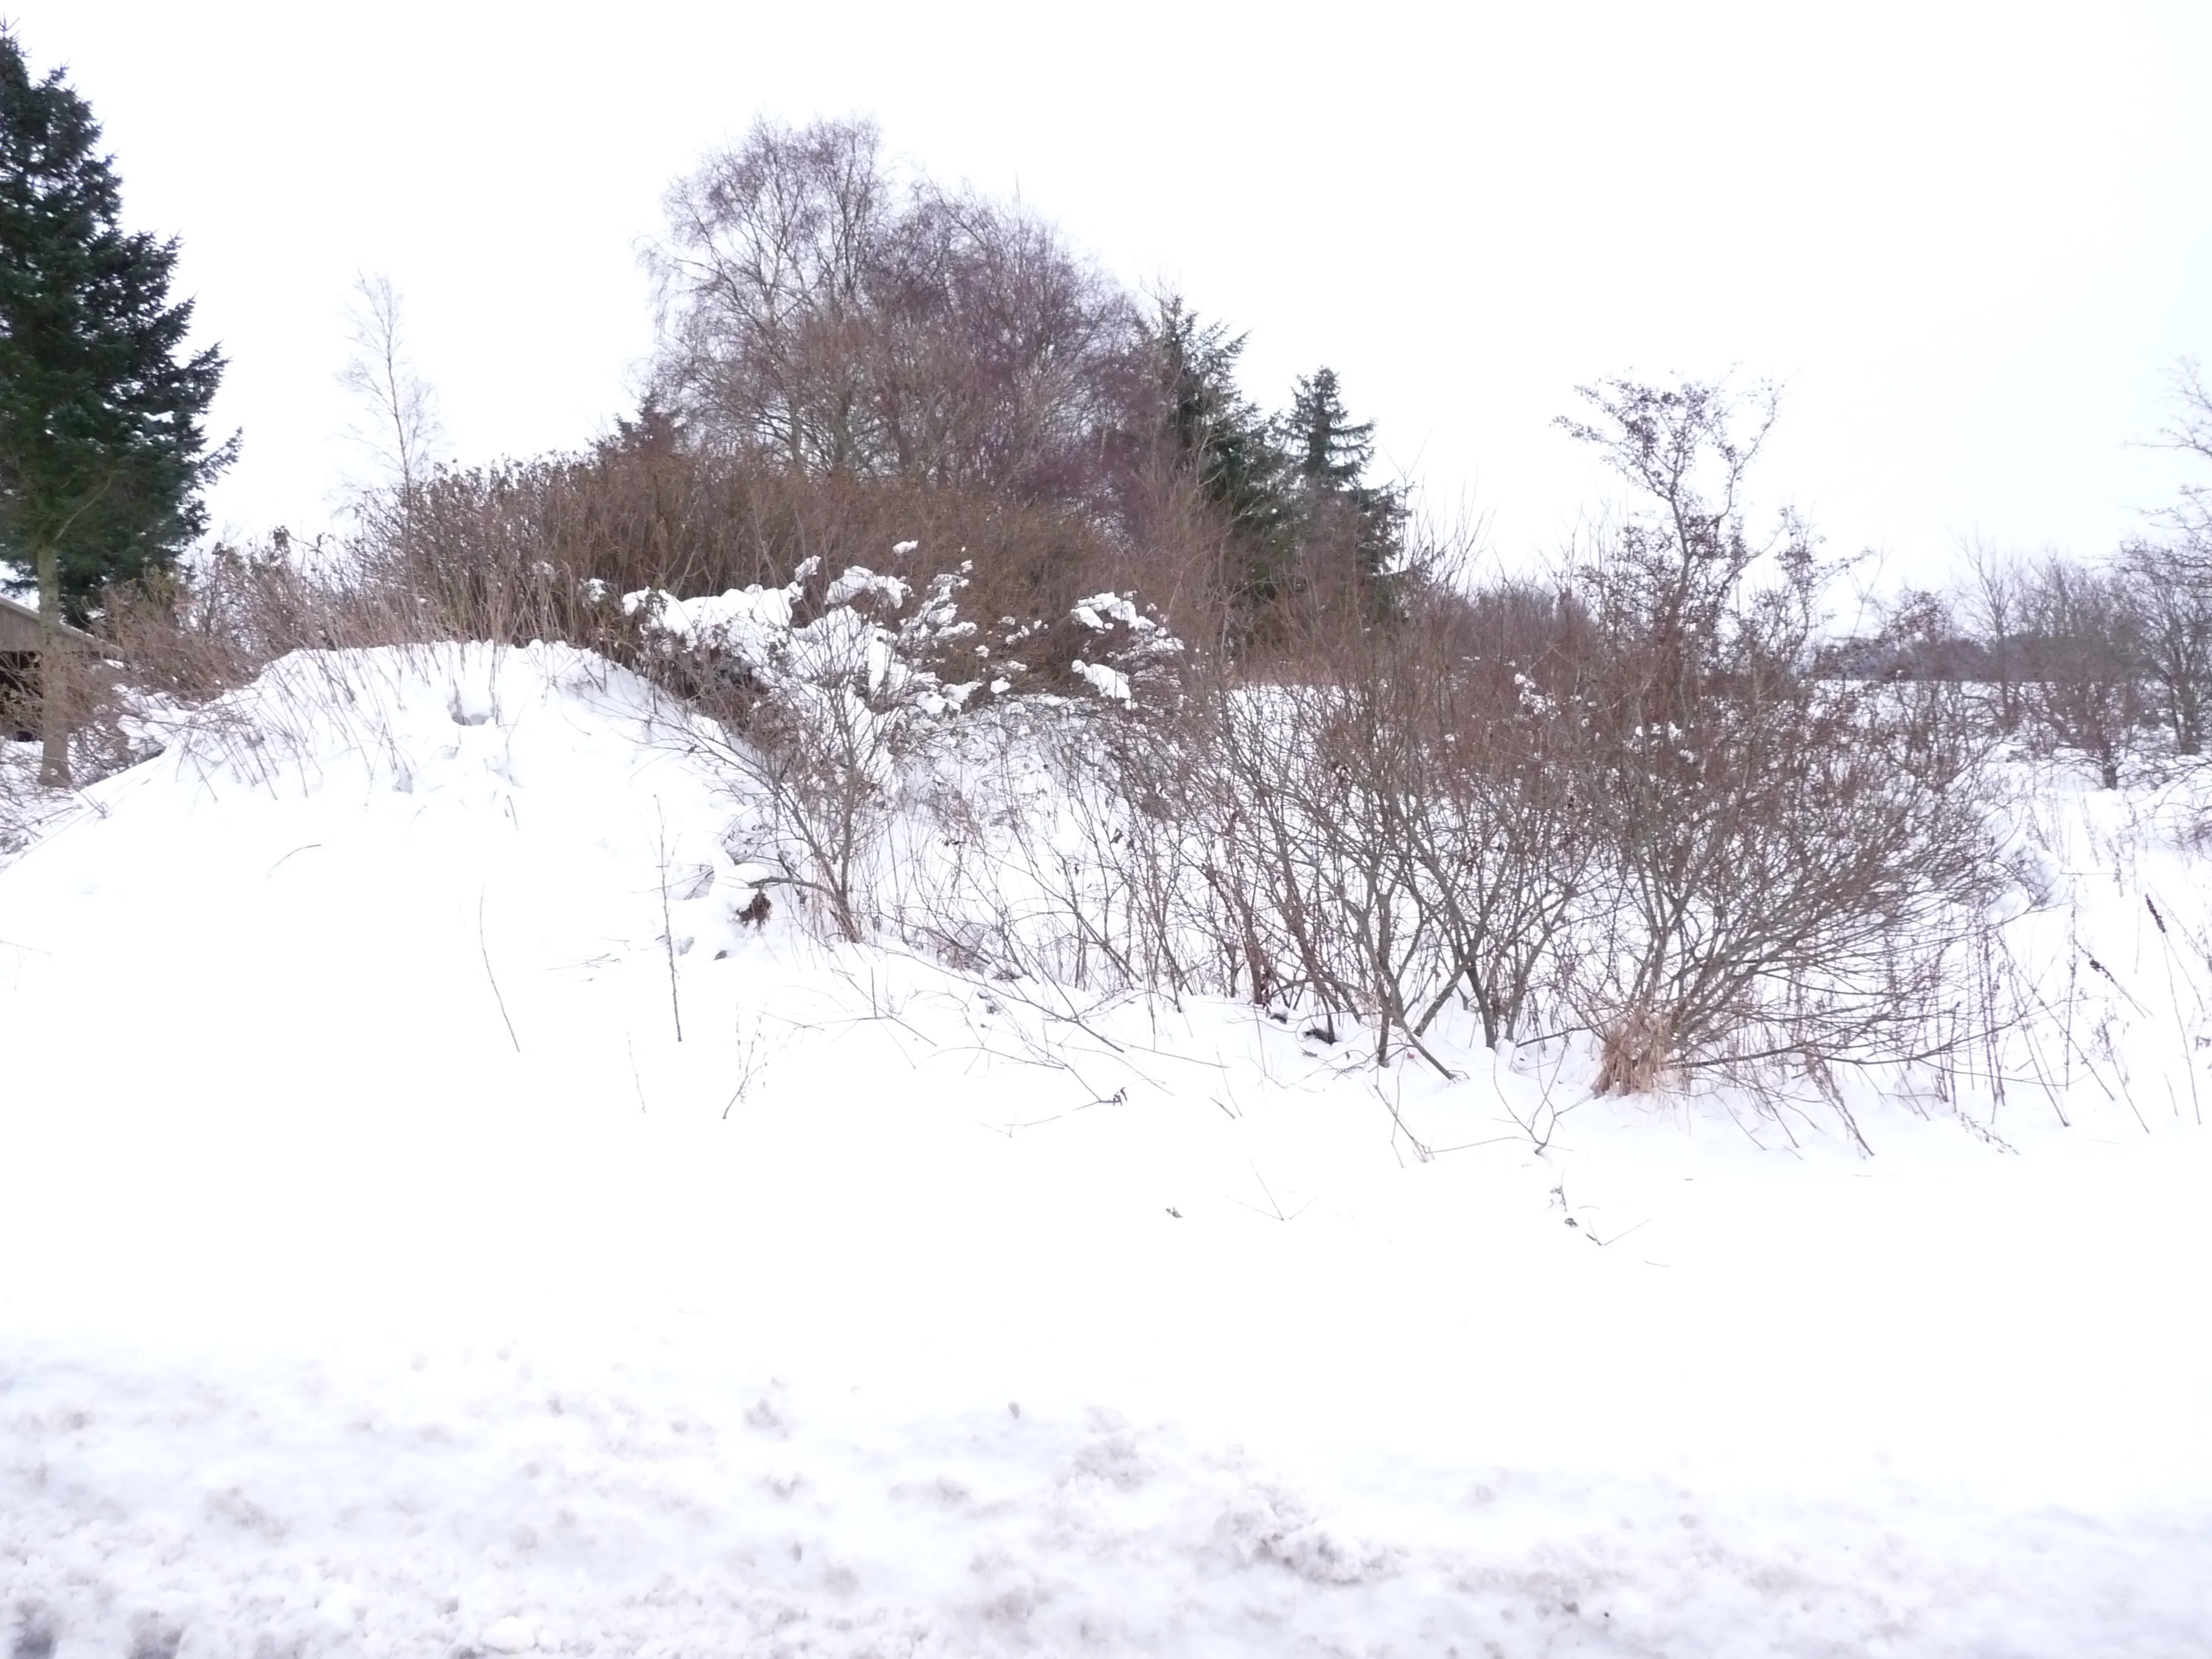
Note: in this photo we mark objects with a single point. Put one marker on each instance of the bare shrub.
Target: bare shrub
(1014, 860)
(195, 633)
(2089, 654)
(819, 695)
(538, 550)
(1378, 827)
(1795, 858)
(1627, 802)
(646, 510)
(821, 760)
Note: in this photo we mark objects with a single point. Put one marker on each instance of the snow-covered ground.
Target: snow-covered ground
(380, 1272)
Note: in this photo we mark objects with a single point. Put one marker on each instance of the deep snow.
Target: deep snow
(380, 1273)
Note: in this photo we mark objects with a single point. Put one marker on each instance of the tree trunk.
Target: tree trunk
(53, 669)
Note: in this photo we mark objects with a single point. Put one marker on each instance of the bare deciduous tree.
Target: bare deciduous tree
(763, 283)
(2081, 675)
(812, 308)
(1991, 604)
(399, 423)
(2191, 430)
(2169, 593)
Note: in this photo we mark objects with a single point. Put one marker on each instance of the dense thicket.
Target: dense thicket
(1652, 800)
(2107, 660)
(820, 317)
(1630, 802)
(1634, 801)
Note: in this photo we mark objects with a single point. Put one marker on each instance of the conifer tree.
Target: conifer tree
(103, 445)
(1214, 429)
(1330, 453)
(1291, 491)
(1228, 447)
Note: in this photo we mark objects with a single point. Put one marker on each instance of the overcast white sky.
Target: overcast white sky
(1973, 238)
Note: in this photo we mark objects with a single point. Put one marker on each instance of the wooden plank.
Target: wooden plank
(20, 629)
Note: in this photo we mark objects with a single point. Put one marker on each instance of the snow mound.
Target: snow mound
(433, 719)
(438, 1222)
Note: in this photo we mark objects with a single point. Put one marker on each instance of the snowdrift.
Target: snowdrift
(435, 1221)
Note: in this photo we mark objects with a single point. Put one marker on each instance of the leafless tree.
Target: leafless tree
(400, 424)
(2169, 593)
(2190, 430)
(2169, 577)
(763, 281)
(812, 308)
(1990, 602)
(2082, 675)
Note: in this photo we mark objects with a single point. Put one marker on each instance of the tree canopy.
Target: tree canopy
(103, 439)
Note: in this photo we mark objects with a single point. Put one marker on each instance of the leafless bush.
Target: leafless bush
(1794, 872)
(1385, 832)
(822, 722)
(195, 633)
(821, 769)
(536, 549)
(1625, 803)
(1017, 858)
(1795, 858)
(646, 510)
(167, 647)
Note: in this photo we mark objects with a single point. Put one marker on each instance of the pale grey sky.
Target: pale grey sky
(1973, 238)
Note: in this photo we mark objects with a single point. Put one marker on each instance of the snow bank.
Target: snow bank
(437, 1223)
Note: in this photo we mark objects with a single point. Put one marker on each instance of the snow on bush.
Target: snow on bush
(847, 663)
(855, 631)
(836, 699)
(1130, 648)
(1110, 683)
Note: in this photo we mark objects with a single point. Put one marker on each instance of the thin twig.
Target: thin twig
(667, 923)
(484, 946)
(2181, 1027)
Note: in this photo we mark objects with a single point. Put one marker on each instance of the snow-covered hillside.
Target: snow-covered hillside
(432, 1221)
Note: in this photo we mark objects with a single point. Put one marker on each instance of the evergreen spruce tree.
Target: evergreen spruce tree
(1228, 447)
(1330, 454)
(103, 445)
(1217, 432)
